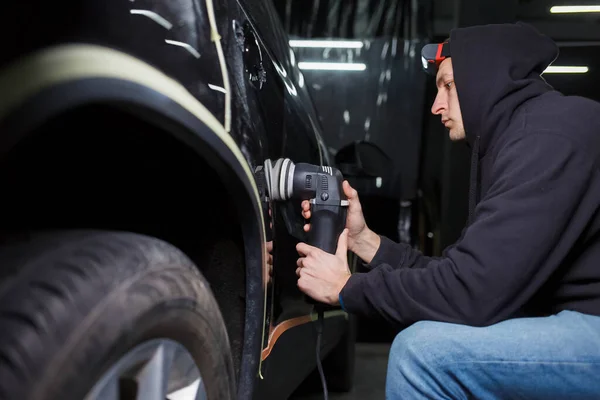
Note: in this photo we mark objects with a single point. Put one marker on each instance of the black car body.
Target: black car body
(177, 104)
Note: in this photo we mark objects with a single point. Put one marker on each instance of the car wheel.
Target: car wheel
(103, 315)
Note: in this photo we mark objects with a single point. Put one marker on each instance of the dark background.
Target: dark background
(423, 196)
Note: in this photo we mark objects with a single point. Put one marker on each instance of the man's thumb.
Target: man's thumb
(342, 247)
(348, 190)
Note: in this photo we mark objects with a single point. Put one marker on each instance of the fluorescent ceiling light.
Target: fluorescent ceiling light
(332, 66)
(566, 70)
(337, 44)
(574, 9)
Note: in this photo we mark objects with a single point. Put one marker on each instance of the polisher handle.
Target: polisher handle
(327, 224)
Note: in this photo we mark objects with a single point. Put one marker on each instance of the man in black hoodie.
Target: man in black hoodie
(512, 310)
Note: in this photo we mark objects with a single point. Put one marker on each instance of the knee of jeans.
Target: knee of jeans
(418, 343)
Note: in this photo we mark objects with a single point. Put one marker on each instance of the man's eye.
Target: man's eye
(448, 85)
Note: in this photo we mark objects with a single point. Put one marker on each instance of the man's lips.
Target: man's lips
(445, 122)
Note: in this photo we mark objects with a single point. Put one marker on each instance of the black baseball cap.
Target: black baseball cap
(433, 54)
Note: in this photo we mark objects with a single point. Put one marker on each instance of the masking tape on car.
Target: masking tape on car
(288, 324)
(216, 38)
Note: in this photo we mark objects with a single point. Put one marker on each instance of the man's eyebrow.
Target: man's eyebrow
(443, 77)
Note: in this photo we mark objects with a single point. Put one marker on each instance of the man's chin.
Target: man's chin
(455, 136)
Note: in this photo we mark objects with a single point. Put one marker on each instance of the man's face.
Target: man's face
(446, 102)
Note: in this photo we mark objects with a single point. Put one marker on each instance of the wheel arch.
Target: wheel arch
(52, 81)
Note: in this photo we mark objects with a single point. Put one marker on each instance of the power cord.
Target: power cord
(320, 325)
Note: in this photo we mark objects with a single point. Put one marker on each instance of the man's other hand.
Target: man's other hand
(355, 220)
(321, 275)
(269, 246)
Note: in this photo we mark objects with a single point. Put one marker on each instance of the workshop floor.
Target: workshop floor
(369, 375)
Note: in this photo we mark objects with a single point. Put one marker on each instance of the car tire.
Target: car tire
(73, 304)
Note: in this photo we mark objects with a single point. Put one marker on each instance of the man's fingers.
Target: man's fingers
(298, 271)
(306, 227)
(351, 193)
(303, 285)
(304, 248)
(342, 247)
(306, 209)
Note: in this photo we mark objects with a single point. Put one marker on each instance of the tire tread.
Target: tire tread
(47, 295)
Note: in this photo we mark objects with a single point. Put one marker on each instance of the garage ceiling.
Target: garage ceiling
(561, 27)
(577, 34)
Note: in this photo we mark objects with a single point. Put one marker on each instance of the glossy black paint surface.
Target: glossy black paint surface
(293, 131)
(296, 353)
(372, 105)
(379, 98)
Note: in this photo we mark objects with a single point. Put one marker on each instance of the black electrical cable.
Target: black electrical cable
(320, 324)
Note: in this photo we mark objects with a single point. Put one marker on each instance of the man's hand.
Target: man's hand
(355, 220)
(322, 276)
(269, 246)
(361, 240)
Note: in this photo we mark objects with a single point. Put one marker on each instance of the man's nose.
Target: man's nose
(439, 105)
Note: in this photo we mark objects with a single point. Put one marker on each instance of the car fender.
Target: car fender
(50, 81)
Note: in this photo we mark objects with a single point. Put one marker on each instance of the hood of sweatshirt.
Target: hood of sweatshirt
(497, 68)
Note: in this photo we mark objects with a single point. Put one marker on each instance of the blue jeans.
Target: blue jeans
(556, 357)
